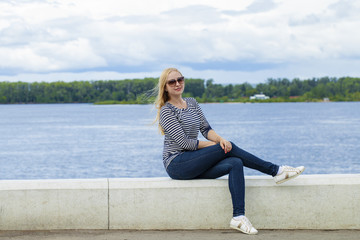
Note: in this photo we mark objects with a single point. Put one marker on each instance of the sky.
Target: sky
(229, 41)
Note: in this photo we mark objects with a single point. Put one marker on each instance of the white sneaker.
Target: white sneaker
(243, 225)
(288, 173)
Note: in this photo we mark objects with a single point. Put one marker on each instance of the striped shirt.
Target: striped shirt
(181, 128)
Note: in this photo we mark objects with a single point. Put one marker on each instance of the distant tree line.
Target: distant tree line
(141, 91)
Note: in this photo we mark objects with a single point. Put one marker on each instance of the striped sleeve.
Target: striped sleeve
(171, 125)
(204, 124)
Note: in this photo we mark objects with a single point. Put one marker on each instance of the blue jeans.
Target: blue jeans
(212, 162)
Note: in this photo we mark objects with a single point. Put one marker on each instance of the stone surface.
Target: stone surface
(54, 204)
(180, 234)
(307, 202)
(169, 204)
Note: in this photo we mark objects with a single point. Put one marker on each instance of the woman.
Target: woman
(185, 157)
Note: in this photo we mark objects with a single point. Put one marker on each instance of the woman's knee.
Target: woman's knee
(237, 166)
(235, 150)
(233, 145)
(236, 162)
(239, 163)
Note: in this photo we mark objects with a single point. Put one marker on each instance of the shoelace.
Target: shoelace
(246, 222)
(290, 169)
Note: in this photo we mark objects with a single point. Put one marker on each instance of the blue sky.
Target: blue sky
(228, 41)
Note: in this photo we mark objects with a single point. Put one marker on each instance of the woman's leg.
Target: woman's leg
(252, 161)
(234, 167)
(191, 164)
(208, 163)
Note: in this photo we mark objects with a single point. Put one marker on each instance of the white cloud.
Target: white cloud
(251, 38)
(47, 57)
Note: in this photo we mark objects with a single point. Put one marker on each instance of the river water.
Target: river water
(46, 141)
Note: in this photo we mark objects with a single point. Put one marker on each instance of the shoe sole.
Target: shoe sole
(238, 229)
(287, 179)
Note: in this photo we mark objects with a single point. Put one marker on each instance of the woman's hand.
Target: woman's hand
(225, 145)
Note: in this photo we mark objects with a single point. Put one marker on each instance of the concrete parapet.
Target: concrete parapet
(307, 202)
(169, 204)
(54, 204)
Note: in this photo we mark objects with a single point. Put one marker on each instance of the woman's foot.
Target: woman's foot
(286, 173)
(242, 224)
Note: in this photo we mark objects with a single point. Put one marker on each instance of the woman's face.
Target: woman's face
(175, 84)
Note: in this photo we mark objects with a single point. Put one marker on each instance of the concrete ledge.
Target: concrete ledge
(54, 204)
(308, 202)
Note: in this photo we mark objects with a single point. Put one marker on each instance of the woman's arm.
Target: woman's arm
(210, 134)
(204, 144)
(171, 125)
(214, 139)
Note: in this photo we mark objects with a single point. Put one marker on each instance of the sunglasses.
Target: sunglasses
(172, 82)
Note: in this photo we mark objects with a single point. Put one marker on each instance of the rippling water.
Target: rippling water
(106, 141)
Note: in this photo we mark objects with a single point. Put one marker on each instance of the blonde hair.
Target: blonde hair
(162, 95)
